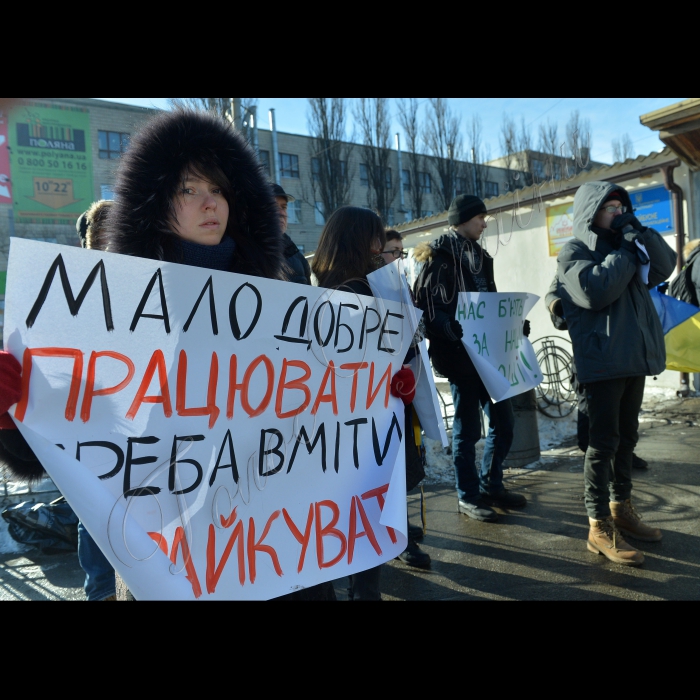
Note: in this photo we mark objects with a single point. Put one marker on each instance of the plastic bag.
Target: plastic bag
(52, 527)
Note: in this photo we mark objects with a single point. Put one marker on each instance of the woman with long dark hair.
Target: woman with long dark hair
(350, 248)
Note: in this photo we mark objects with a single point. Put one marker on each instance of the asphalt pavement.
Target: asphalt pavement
(536, 553)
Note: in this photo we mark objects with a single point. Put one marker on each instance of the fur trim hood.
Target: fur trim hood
(689, 247)
(149, 174)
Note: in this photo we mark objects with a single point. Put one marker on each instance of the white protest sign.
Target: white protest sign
(493, 336)
(220, 436)
(389, 282)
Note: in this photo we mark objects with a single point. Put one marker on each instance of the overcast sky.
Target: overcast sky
(609, 117)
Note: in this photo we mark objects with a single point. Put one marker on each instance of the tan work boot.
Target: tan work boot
(627, 520)
(604, 538)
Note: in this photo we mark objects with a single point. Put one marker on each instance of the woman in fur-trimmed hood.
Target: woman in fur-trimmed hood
(152, 177)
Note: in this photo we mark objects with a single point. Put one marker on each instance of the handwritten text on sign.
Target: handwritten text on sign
(237, 433)
(493, 336)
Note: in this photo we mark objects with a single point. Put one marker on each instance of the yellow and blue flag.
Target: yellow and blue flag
(681, 324)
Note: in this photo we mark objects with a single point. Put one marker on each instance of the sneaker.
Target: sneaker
(415, 532)
(414, 556)
(639, 463)
(628, 521)
(604, 538)
(505, 499)
(477, 511)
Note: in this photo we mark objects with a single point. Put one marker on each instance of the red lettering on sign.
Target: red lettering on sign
(328, 530)
(354, 367)
(372, 393)
(254, 547)
(90, 381)
(327, 398)
(303, 540)
(378, 493)
(211, 408)
(160, 541)
(73, 392)
(181, 541)
(157, 362)
(233, 386)
(353, 535)
(299, 384)
(213, 571)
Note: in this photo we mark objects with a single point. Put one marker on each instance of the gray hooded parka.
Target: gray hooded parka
(614, 328)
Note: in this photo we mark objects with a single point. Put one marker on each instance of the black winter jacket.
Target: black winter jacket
(448, 270)
(299, 270)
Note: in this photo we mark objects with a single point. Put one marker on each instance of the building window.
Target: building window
(106, 192)
(538, 169)
(387, 178)
(112, 143)
(289, 165)
(265, 160)
(425, 183)
(409, 214)
(364, 175)
(461, 185)
(490, 189)
(426, 212)
(390, 221)
(319, 219)
(301, 248)
(294, 212)
(316, 168)
(406, 180)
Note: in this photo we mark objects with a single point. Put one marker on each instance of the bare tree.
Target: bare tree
(443, 139)
(578, 140)
(523, 153)
(372, 116)
(550, 145)
(508, 138)
(622, 148)
(412, 128)
(330, 153)
(218, 105)
(476, 151)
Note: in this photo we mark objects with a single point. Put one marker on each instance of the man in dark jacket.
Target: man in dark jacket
(605, 274)
(456, 263)
(301, 272)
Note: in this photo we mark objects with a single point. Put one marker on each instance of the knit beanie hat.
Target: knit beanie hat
(463, 208)
(613, 195)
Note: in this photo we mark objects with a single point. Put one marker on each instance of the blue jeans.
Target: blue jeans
(468, 396)
(99, 574)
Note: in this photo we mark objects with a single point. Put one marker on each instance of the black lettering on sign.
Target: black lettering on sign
(355, 423)
(274, 450)
(320, 435)
(317, 326)
(74, 304)
(344, 325)
(365, 328)
(379, 454)
(232, 456)
(302, 323)
(148, 490)
(233, 314)
(144, 299)
(385, 331)
(212, 308)
(109, 445)
(174, 461)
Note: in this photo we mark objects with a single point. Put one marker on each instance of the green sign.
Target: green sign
(51, 163)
